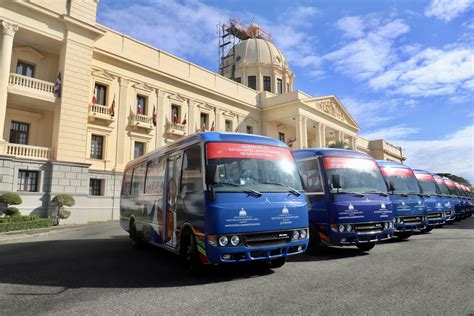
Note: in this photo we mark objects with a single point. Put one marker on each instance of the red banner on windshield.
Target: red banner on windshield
(440, 181)
(255, 151)
(348, 163)
(450, 183)
(424, 176)
(396, 172)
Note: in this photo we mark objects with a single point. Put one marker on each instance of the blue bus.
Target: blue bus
(348, 198)
(217, 198)
(409, 209)
(448, 200)
(437, 211)
(458, 202)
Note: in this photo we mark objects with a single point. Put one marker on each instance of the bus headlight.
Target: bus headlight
(303, 234)
(295, 235)
(341, 228)
(349, 227)
(385, 225)
(223, 241)
(234, 240)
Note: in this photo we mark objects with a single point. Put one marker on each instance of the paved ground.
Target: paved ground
(94, 270)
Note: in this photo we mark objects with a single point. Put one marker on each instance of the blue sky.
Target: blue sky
(404, 69)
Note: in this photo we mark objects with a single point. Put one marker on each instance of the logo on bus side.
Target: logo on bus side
(242, 212)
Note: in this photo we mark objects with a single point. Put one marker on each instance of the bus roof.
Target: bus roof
(328, 152)
(212, 137)
(392, 164)
(422, 171)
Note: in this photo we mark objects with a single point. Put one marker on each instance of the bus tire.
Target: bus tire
(366, 246)
(403, 235)
(133, 235)
(276, 263)
(427, 229)
(190, 254)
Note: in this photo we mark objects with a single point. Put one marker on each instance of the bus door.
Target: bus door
(173, 167)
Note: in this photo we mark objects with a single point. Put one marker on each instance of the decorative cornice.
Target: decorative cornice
(8, 28)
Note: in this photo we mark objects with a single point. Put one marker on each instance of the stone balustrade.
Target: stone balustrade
(30, 152)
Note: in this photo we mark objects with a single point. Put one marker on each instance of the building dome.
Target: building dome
(256, 59)
(259, 51)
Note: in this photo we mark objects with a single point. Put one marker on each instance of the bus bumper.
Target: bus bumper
(231, 254)
(409, 227)
(354, 238)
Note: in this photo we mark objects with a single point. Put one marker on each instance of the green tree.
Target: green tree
(456, 178)
(338, 144)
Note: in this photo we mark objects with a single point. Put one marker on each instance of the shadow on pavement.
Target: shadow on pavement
(105, 263)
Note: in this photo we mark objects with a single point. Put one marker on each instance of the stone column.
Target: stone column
(6, 45)
(122, 121)
(322, 135)
(218, 118)
(317, 136)
(160, 119)
(190, 119)
(353, 142)
(301, 132)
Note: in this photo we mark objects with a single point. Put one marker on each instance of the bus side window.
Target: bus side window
(127, 182)
(138, 179)
(192, 170)
(155, 176)
(309, 170)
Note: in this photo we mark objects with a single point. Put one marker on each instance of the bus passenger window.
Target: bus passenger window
(155, 176)
(309, 170)
(192, 170)
(138, 179)
(127, 182)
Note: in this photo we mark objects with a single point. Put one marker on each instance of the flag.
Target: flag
(154, 115)
(175, 119)
(112, 108)
(57, 86)
(139, 108)
(184, 121)
(94, 96)
(212, 127)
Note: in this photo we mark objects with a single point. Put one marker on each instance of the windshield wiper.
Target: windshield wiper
(290, 189)
(246, 190)
(377, 192)
(349, 192)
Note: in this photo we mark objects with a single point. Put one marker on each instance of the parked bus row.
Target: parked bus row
(218, 198)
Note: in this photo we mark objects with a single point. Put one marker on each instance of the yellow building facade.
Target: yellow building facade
(121, 98)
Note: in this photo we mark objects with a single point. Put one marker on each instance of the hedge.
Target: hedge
(13, 226)
(18, 218)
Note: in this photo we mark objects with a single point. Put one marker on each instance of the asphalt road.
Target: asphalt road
(94, 270)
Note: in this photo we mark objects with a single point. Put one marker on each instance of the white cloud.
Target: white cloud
(368, 54)
(372, 112)
(447, 10)
(394, 132)
(453, 154)
(430, 72)
(299, 16)
(352, 26)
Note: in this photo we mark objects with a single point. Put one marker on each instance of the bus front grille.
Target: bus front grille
(267, 239)
(369, 227)
(412, 219)
(434, 215)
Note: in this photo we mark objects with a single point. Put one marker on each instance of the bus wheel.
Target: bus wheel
(404, 235)
(190, 254)
(366, 246)
(427, 229)
(276, 263)
(133, 235)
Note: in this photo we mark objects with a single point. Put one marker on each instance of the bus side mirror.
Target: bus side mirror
(212, 174)
(390, 186)
(336, 181)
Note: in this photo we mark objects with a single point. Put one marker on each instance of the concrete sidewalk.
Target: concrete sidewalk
(31, 233)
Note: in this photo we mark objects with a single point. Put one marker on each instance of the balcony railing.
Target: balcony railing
(31, 86)
(97, 111)
(31, 152)
(140, 120)
(177, 129)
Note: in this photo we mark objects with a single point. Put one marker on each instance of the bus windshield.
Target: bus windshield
(403, 179)
(357, 175)
(443, 187)
(256, 167)
(427, 183)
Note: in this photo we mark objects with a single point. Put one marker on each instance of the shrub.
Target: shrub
(12, 211)
(18, 218)
(24, 225)
(64, 200)
(10, 198)
(63, 214)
